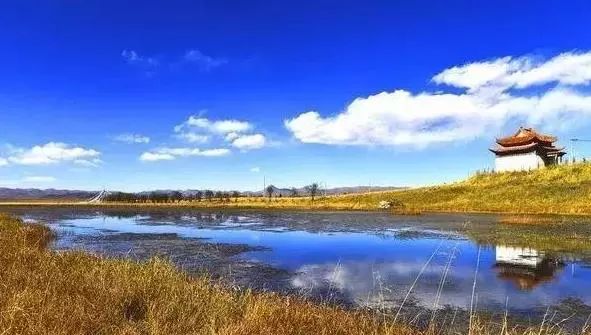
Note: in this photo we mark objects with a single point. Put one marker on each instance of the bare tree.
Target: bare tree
(236, 195)
(313, 190)
(293, 192)
(270, 190)
(208, 195)
(176, 196)
(198, 195)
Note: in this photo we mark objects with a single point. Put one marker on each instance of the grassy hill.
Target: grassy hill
(560, 189)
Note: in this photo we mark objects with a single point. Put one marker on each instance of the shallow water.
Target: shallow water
(361, 259)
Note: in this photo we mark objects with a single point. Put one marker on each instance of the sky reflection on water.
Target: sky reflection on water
(369, 266)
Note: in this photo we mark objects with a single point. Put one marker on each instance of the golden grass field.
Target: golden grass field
(557, 190)
(47, 292)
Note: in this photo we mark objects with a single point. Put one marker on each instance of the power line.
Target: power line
(573, 140)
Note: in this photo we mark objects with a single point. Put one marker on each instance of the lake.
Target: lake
(355, 259)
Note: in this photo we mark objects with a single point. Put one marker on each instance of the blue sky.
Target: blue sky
(217, 94)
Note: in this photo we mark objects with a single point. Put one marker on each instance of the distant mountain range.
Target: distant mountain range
(33, 193)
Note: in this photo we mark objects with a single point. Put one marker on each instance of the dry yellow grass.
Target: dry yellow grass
(526, 220)
(45, 292)
(561, 189)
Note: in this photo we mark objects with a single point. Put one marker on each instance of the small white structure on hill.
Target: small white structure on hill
(526, 150)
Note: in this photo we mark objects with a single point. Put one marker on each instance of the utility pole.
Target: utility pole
(572, 144)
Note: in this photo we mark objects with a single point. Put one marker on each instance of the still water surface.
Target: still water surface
(363, 259)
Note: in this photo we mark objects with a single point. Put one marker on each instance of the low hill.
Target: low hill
(559, 189)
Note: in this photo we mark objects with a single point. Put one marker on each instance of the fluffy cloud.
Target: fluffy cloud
(507, 72)
(173, 153)
(156, 156)
(197, 129)
(53, 153)
(495, 92)
(205, 62)
(249, 142)
(132, 138)
(3, 161)
(255, 169)
(236, 133)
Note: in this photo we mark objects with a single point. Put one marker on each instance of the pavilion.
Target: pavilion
(526, 150)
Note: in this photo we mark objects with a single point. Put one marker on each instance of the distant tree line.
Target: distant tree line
(312, 190)
(173, 197)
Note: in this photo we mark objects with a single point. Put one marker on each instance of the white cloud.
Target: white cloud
(173, 153)
(231, 136)
(507, 72)
(39, 179)
(132, 57)
(221, 127)
(249, 142)
(193, 137)
(132, 138)
(53, 153)
(402, 118)
(155, 156)
(196, 129)
(3, 161)
(214, 152)
(205, 62)
(255, 169)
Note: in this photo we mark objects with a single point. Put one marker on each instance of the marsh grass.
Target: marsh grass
(527, 220)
